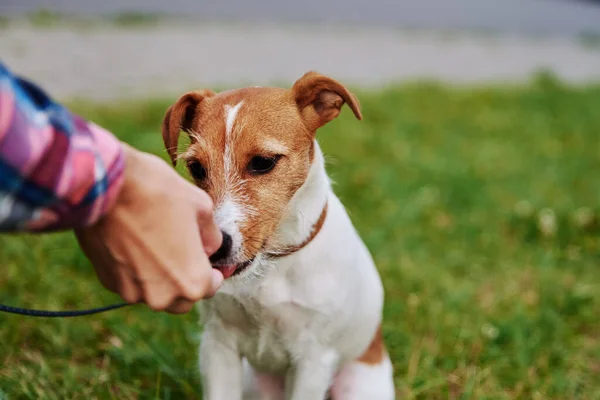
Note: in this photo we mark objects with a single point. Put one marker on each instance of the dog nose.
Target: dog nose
(224, 250)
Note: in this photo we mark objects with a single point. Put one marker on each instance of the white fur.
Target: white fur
(356, 381)
(230, 115)
(228, 216)
(301, 319)
(228, 213)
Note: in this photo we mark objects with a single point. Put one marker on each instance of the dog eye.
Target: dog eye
(261, 165)
(197, 170)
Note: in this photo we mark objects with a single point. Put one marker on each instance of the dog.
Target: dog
(299, 314)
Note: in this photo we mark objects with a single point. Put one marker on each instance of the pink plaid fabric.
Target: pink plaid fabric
(57, 171)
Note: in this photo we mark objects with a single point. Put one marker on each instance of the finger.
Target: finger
(211, 236)
(193, 274)
(160, 295)
(204, 280)
(190, 274)
(209, 231)
(107, 278)
(180, 306)
(202, 283)
(216, 282)
(128, 287)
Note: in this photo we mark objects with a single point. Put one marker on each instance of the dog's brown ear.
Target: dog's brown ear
(180, 116)
(320, 99)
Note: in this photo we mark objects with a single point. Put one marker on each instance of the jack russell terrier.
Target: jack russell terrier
(299, 314)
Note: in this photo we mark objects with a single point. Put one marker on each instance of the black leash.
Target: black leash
(55, 314)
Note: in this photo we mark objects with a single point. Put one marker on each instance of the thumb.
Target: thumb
(216, 282)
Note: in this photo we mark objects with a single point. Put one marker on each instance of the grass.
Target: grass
(43, 18)
(481, 207)
(135, 19)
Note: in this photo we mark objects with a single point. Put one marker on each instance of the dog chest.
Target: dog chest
(266, 350)
(270, 331)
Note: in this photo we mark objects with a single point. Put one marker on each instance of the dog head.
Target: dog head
(251, 150)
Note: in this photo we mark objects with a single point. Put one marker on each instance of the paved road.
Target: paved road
(107, 62)
(564, 17)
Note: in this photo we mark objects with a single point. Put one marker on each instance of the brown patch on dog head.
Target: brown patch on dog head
(320, 99)
(376, 350)
(234, 132)
(180, 116)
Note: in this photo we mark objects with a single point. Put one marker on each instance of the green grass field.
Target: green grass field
(481, 207)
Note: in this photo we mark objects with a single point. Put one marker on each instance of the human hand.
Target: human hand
(153, 244)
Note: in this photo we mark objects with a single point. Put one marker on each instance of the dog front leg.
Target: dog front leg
(312, 376)
(220, 367)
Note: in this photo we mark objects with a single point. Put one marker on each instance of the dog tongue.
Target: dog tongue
(227, 270)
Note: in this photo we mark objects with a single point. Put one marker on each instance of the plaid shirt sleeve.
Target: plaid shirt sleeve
(57, 171)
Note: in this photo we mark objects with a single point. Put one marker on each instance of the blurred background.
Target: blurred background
(473, 179)
(364, 43)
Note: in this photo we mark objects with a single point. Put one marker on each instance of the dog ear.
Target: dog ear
(320, 99)
(180, 116)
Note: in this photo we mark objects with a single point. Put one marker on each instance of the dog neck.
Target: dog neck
(306, 207)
